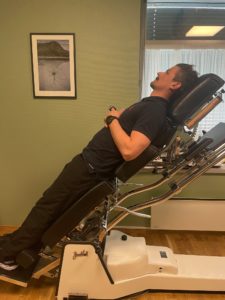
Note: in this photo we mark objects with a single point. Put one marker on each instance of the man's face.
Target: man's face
(165, 80)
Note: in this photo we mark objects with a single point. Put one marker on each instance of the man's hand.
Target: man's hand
(113, 112)
(130, 146)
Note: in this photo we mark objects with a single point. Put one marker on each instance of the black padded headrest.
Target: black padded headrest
(182, 108)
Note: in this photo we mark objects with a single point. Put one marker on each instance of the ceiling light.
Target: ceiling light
(203, 31)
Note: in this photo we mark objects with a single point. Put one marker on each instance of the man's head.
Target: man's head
(174, 81)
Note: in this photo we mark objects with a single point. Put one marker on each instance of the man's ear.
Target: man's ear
(175, 85)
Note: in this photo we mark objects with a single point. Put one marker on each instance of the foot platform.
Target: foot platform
(20, 276)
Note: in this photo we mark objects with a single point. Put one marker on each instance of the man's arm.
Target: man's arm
(129, 146)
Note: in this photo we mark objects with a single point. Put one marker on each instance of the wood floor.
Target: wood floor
(198, 243)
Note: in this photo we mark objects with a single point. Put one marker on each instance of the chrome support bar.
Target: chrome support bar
(192, 174)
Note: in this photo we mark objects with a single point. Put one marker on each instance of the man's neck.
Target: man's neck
(161, 94)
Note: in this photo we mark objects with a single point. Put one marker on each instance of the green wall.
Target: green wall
(39, 136)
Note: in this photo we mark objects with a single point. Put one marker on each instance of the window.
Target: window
(167, 44)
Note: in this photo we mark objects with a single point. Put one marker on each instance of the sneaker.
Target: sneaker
(8, 265)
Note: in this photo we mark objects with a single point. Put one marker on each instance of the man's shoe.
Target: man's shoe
(7, 262)
(8, 265)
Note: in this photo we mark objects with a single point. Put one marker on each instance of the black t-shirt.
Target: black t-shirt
(147, 116)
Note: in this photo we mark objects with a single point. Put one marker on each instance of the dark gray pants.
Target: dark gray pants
(73, 182)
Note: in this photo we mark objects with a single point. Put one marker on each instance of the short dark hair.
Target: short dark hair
(188, 78)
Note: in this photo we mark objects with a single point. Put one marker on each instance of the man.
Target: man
(125, 136)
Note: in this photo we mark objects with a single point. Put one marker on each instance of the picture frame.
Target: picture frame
(53, 65)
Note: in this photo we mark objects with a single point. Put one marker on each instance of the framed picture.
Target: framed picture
(53, 65)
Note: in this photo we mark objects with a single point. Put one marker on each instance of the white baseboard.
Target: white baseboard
(180, 214)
